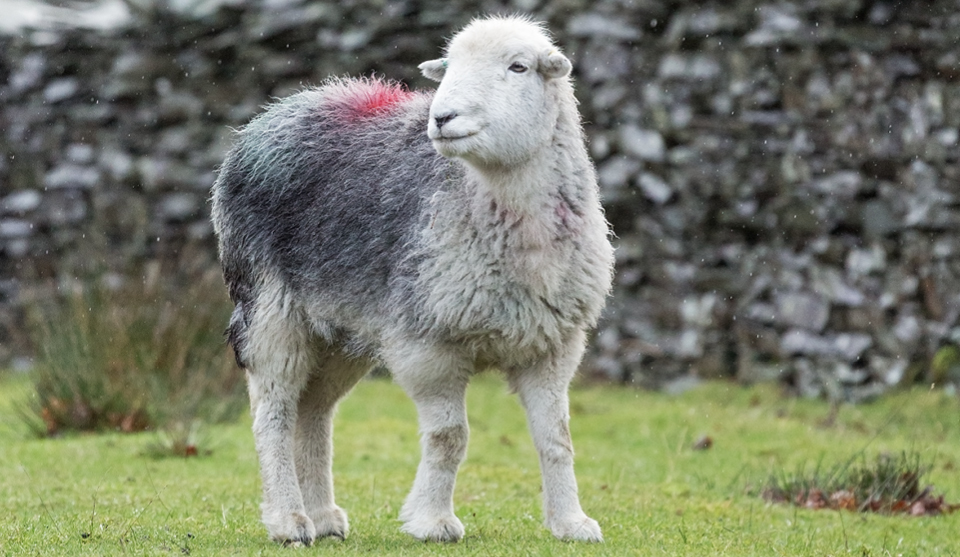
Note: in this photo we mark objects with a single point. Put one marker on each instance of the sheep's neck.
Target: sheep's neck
(521, 189)
(529, 207)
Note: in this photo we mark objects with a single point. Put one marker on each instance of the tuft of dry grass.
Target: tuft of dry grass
(890, 484)
(180, 439)
(132, 352)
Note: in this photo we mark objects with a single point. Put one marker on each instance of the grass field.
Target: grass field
(639, 477)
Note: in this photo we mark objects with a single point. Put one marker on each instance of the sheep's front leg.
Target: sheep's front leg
(437, 384)
(428, 511)
(543, 392)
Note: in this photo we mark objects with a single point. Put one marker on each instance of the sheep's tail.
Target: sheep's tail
(236, 333)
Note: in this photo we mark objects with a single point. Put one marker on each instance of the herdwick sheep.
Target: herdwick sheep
(443, 234)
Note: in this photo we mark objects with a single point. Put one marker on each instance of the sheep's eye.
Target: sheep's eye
(517, 67)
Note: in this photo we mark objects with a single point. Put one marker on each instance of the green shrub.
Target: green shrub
(132, 352)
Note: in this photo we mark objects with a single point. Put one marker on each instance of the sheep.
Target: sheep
(361, 223)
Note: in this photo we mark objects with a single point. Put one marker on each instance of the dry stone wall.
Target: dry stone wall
(782, 176)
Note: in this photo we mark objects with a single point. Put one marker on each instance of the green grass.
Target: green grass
(653, 494)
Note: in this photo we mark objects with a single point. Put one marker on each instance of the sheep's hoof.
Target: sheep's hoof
(331, 522)
(443, 529)
(292, 530)
(580, 528)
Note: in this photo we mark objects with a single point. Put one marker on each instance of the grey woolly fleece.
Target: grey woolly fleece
(337, 194)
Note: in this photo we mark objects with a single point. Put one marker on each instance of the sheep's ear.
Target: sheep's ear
(553, 64)
(434, 69)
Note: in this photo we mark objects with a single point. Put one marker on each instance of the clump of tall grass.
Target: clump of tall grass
(890, 484)
(142, 350)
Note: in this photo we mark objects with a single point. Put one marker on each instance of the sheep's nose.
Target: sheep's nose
(444, 118)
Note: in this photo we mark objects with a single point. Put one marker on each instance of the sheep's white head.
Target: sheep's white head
(499, 94)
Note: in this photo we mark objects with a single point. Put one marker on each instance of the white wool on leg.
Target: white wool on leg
(543, 392)
(437, 383)
(274, 421)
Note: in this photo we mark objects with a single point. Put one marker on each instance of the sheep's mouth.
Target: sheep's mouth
(454, 137)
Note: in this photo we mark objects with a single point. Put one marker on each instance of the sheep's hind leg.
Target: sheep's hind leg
(436, 381)
(274, 421)
(335, 375)
(279, 361)
(543, 392)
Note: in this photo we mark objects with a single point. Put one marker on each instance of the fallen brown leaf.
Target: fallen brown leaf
(703, 443)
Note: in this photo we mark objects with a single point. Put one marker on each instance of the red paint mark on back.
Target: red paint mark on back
(367, 97)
